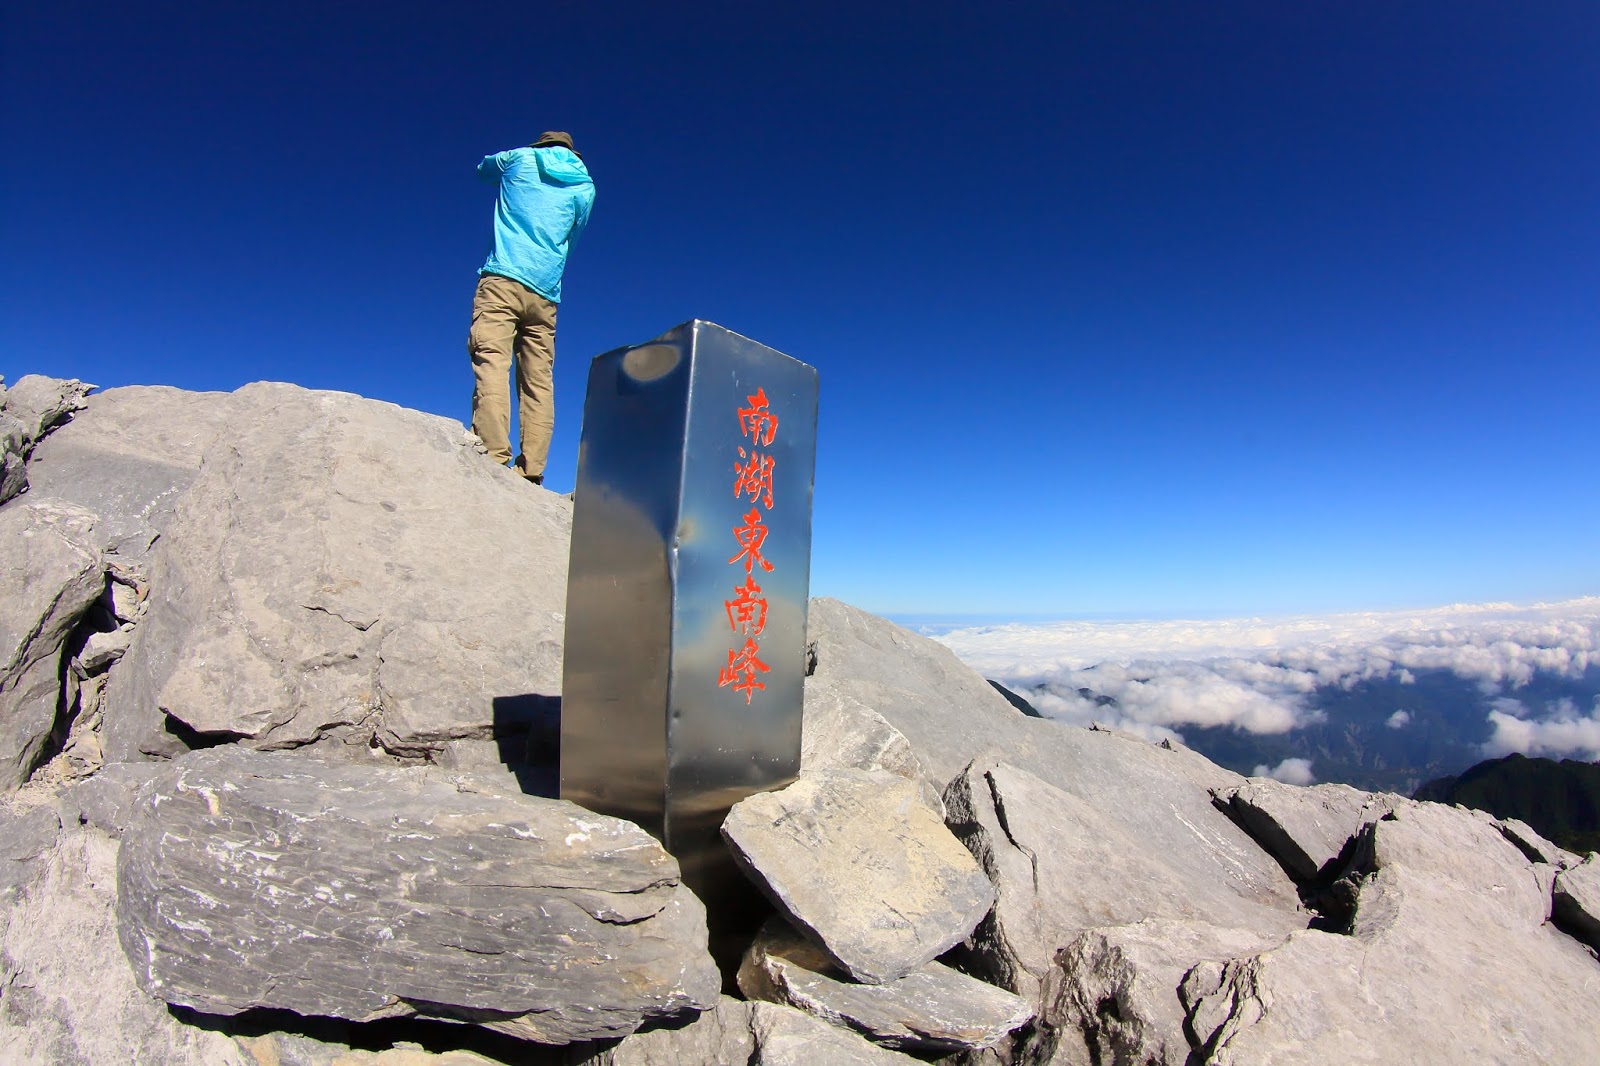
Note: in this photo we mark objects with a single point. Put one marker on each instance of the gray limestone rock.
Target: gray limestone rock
(857, 860)
(789, 1037)
(1449, 960)
(66, 993)
(1536, 847)
(27, 837)
(941, 705)
(40, 403)
(28, 410)
(250, 879)
(1303, 827)
(50, 574)
(721, 1034)
(749, 1034)
(13, 457)
(1063, 865)
(105, 799)
(932, 1008)
(1576, 900)
(129, 455)
(1112, 994)
(841, 732)
(344, 573)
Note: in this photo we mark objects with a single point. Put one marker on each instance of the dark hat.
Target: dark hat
(552, 138)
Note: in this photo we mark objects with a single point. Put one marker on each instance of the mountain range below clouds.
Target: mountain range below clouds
(1384, 701)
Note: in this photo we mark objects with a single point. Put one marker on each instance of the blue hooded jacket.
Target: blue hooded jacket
(545, 196)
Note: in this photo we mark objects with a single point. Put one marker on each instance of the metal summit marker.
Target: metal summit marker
(687, 587)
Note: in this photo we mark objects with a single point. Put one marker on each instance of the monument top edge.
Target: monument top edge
(696, 327)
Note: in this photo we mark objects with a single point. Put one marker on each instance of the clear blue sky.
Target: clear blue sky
(1120, 308)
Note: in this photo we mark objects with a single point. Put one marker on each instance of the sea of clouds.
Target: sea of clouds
(1258, 674)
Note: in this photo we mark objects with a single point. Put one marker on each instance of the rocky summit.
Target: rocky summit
(279, 671)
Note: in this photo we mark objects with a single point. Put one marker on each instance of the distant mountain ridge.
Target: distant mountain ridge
(1559, 799)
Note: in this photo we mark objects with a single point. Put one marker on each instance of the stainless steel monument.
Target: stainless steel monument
(686, 595)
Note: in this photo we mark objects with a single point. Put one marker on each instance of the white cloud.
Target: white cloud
(1399, 720)
(1289, 771)
(1565, 732)
(1257, 674)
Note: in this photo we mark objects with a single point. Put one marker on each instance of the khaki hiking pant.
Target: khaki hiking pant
(513, 326)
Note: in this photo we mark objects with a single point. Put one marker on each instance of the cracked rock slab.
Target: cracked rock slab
(1576, 900)
(1112, 995)
(50, 575)
(250, 879)
(1449, 960)
(860, 862)
(932, 1008)
(1304, 827)
(1062, 865)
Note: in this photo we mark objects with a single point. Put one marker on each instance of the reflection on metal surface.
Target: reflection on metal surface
(686, 601)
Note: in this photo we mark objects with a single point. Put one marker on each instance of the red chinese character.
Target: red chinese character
(756, 422)
(747, 611)
(751, 536)
(741, 670)
(755, 477)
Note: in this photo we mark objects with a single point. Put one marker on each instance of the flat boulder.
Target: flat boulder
(859, 861)
(250, 879)
(345, 574)
(932, 1008)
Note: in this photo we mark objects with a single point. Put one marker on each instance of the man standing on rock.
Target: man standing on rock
(544, 201)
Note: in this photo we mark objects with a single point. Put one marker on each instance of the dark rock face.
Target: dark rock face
(257, 880)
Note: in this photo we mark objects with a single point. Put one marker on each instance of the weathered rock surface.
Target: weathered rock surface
(304, 592)
(1577, 900)
(251, 879)
(1111, 995)
(66, 992)
(28, 410)
(1062, 865)
(1452, 911)
(841, 732)
(1535, 846)
(130, 455)
(789, 1037)
(947, 711)
(860, 862)
(748, 1033)
(932, 1008)
(1305, 828)
(50, 573)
